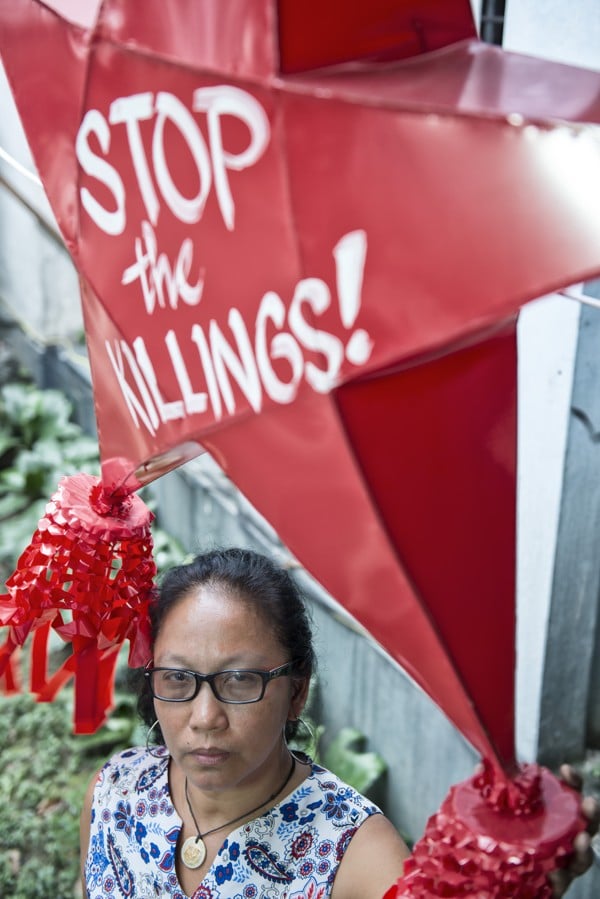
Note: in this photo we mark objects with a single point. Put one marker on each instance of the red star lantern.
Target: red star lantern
(304, 232)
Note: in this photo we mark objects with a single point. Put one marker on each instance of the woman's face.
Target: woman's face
(217, 745)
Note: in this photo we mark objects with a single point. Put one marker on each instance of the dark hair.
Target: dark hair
(256, 579)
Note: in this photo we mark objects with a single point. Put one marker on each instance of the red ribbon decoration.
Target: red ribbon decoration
(88, 574)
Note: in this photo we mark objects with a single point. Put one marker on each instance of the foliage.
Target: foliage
(44, 775)
(40, 444)
(346, 756)
(45, 767)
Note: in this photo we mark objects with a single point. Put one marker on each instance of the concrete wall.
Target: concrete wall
(37, 278)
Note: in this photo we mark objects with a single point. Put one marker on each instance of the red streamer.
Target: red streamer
(88, 574)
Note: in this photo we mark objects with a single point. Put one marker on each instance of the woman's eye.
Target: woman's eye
(177, 677)
(238, 677)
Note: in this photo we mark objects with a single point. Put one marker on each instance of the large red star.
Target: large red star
(313, 272)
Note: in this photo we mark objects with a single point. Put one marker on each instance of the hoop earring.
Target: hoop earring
(307, 754)
(149, 748)
(307, 727)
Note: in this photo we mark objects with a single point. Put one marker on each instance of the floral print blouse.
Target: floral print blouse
(292, 851)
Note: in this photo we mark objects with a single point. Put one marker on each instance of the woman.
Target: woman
(223, 809)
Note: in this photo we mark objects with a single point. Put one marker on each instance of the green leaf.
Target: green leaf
(11, 504)
(81, 452)
(346, 758)
(7, 442)
(43, 778)
(167, 551)
(18, 530)
(33, 413)
(12, 480)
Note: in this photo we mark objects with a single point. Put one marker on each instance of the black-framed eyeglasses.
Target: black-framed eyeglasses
(238, 686)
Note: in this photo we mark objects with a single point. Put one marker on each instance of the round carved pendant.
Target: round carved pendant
(193, 852)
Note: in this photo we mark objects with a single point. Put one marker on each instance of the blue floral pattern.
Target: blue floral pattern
(290, 852)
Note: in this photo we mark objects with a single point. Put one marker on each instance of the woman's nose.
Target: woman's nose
(206, 710)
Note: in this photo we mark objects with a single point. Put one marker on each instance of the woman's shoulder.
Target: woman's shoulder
(330, 783)
(324, 796)
(133, 756)
(134, 770)
(372, 853)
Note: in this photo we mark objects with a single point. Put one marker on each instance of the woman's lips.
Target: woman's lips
(209, 757)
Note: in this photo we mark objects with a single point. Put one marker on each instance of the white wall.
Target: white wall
(476, 8)
(563, 30)
(566, 31)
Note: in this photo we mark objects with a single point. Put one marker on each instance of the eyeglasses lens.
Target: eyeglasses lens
(172, 685)
(238, 686)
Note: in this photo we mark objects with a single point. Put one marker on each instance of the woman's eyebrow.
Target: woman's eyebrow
(172, 660)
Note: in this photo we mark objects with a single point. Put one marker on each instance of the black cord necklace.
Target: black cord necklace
(193, 851)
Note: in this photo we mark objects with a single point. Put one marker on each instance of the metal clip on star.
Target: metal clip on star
(88, 574)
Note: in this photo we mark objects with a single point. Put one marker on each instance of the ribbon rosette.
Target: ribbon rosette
(494, 838)
(88, 574)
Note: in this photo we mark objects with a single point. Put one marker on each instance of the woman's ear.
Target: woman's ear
(300, 687)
